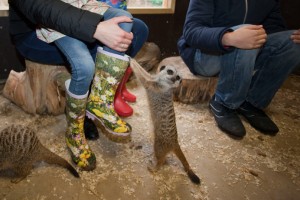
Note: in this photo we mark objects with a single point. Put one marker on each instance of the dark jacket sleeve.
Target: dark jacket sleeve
(59, 16)
(198, 31)
(274, 22)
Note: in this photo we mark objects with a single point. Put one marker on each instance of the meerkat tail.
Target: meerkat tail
(193, 177)
(52, 158)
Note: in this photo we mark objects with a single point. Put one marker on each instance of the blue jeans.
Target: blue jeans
(251, 75)
(78, 54)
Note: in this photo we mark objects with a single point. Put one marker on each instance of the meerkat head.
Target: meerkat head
(169, 77)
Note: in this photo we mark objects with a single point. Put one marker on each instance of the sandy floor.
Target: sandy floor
(257, 167)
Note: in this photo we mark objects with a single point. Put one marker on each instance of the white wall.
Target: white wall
(3, 5)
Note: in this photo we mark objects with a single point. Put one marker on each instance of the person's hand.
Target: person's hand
(296, 36)
(246, 37)
(110, 34)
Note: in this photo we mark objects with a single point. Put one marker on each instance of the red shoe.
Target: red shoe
(121, 107)
(127, 96)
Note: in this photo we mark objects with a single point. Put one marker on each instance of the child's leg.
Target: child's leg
(81, 62)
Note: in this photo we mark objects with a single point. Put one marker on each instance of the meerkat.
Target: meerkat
(20, 149)
(159, 89)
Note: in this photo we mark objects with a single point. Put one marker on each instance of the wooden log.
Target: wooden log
(40, 89)
(193, 89)
(37, 90)
(149, 56)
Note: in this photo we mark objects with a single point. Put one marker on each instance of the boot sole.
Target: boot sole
(113, 136)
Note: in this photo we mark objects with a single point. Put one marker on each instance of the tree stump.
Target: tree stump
(149, 56)
(40, 89)
(193, 89)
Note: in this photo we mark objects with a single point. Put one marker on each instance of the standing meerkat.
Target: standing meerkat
(159, 89)
(20, 149)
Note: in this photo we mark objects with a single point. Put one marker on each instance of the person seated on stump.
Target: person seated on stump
(77, 38)
(246, 44)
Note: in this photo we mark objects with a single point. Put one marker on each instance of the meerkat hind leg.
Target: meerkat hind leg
(193, 177)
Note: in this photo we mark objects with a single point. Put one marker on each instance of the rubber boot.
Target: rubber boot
(81, 153)
(110, 69)
(121, 107)
(127, 96)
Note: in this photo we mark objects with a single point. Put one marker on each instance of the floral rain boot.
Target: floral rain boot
(100, 107)
(81, 153)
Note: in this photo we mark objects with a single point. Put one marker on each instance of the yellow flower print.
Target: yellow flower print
(98, 113)
(120, 129)
(84, 155)
(81, 164)
(121, 122)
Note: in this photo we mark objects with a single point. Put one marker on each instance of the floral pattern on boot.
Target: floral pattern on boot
(75, 138)
(109, 71)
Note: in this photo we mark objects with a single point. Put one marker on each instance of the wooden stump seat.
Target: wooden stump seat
(193, 89)
(39, 89)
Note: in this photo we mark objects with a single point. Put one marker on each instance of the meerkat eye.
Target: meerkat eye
(178, 78)
(162, 68)
(170, 72)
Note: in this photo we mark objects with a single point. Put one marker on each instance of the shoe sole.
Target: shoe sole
(113, 136)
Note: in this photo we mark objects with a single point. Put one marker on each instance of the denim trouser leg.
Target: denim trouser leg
(81, 61)
(235, 77)
(235, 71)
(277, 59)
(252, 75)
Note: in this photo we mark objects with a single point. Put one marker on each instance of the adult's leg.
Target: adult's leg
(277, 59)
(235, 71)
(275, 62)
(140, 35)
(36, 50)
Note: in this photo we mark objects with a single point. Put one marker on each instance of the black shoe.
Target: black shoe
(258, 119)
(90, 129)
(227, 119)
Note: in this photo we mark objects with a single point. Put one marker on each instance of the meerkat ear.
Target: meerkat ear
(162, 68)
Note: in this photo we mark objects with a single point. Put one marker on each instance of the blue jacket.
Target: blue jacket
(207, 21)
